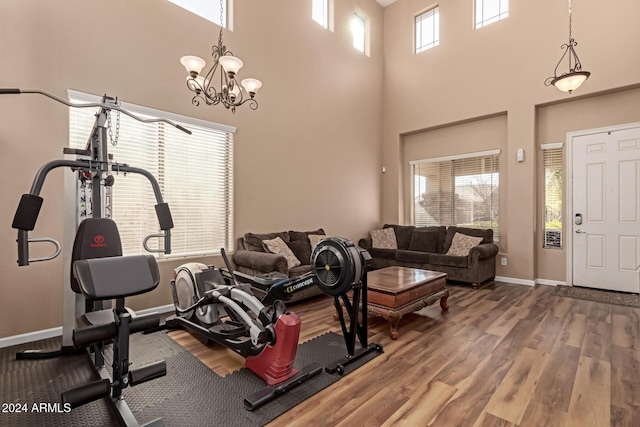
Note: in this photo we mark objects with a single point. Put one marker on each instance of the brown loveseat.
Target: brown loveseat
(252, 257)
(426, 248)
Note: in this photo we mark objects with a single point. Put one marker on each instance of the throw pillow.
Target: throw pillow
(303, 235)
(384, 239)
(314, 239)
(462, 244)
(278, 246)
(424, 241)
(302, 251)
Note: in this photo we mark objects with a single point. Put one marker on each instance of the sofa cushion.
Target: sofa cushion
(278, 246)
(424, 241)
(415, 257)
(302, 250)
(449, 260)
(299, 270)
(403, 234)
(486, 234)
(384, 239)
(462, 244)
(314, 239)
(442, 234)
(382, 253)
(296, 236)
(253, 242)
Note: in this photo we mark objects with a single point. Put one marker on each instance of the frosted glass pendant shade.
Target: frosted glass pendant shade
(231, 64)
(193, 64)
(251, 85)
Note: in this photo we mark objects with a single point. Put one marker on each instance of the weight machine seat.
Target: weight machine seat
(116, 277)
(95, 238)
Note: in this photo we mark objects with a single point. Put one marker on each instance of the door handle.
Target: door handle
(580, 231)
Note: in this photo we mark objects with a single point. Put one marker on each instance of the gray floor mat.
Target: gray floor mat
(190, 395)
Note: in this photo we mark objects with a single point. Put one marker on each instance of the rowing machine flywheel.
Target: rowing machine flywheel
(338, 265)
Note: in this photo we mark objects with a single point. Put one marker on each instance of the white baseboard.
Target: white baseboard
(515, 281)
(550, 282)
(30, 337)
(56, 332)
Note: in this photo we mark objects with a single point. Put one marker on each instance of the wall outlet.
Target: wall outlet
(503, 261)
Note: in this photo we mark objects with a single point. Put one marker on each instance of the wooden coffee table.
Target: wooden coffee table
(393, 292)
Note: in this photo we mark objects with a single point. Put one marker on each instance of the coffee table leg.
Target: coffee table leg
(443, 301)
(394, 319)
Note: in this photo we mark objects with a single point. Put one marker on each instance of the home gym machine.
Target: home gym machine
(341, 268)
(98, 272)
(215, 306)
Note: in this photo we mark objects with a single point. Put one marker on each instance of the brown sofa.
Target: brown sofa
(426, 248)
(250, 257)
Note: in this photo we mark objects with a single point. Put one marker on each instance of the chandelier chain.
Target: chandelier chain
(570, 13)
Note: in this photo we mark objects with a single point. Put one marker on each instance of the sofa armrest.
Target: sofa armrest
(365, 243)
(483, 251)
(261, 261)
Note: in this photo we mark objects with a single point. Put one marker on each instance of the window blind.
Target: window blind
(458, 190)
(195, 174)
(552, 195)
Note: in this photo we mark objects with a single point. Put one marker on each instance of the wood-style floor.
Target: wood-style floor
(504, 355)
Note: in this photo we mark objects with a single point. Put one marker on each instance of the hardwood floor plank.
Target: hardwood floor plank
(544, 337)
(589, 402)
(556, 382)
(490, 420)
(504, 355)
(511, 398)
(623, 417)
(625, 376)
(573, 329)
(516, 339)
(538, 414)
(625, 330)
(597, 341)
(422, 406)
(473, 393)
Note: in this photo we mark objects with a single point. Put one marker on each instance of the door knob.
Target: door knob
(579, 231)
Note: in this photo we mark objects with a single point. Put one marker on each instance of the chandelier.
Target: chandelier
(571, 80)
(228, 93)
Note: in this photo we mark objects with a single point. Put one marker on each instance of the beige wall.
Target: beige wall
(309, 157)
(553, 123)
(502, 68)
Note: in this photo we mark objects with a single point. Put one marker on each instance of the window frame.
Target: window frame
(491, 155)
(220, 136)
(481, 22)
(327, 18)
(366, 31)
(199, 7)
(418, 29)
(552, 157)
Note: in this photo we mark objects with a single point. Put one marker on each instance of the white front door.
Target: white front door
(606, 210)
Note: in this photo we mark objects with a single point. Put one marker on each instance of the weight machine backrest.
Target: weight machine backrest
(95, 238)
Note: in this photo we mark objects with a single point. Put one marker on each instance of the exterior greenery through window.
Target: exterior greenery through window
(552, 195)
(490, 11)
(427, 29)
(458, 190)
(195, 174)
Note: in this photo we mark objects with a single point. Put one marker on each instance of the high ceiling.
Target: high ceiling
(385, 3)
